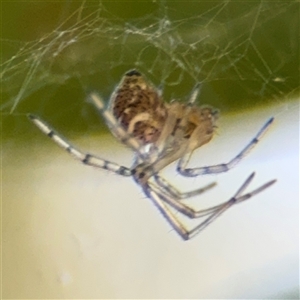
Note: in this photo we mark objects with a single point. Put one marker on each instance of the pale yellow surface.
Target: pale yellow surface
(71, 231)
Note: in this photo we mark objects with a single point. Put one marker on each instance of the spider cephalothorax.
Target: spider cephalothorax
(160, 133)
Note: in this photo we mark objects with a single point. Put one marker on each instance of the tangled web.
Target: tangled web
(241, 51)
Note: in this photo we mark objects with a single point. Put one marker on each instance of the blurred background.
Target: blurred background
(71, 231)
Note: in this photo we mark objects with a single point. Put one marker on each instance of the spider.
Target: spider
(160, 133)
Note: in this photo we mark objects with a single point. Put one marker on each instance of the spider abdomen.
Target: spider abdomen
(138, 107)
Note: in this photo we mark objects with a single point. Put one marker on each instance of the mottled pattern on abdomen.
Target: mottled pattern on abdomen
(138, 107)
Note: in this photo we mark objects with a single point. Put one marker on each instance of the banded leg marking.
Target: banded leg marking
(181, 168)
(85, 158)
(161, 202)
(175, 193)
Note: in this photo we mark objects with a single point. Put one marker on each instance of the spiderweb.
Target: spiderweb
(241, 53)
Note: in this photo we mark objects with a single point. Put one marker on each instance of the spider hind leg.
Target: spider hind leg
(162, 201)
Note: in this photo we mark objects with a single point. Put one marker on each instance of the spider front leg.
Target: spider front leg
(161, 200)
(165, 186)
(181, 168)
(85, 158)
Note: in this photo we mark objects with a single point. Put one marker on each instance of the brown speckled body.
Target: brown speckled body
(139, 108)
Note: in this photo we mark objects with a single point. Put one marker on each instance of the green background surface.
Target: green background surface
(76, 232)
(53, 53)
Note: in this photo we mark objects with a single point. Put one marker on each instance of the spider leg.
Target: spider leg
(237, 198)
(182, 207)
(181, 168)
(166, 212)
(172, 118)
(175, 193)
(173, 220)
(115, 127)
(85, 158)
(161, 200)
(192, 213)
